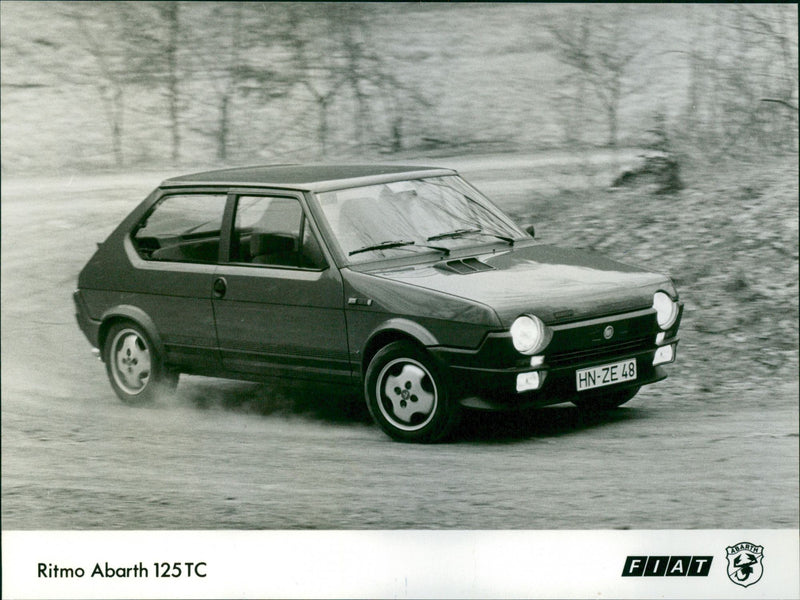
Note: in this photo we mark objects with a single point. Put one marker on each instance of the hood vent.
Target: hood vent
(464, 266)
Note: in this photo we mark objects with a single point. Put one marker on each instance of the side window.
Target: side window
(182, 228)
(272, 231)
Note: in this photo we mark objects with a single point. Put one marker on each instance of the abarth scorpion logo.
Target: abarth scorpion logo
(744, 563)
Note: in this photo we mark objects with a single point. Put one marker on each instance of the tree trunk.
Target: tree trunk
(172, 78)
(118, 111)
(397, 134)
(692, 117)
(322, 132)
(611, 114)
(222, 128)
(789, 74)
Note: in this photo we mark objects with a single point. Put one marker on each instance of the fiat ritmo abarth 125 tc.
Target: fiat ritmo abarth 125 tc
(404, 281)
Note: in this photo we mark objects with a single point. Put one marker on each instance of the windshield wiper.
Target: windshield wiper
(505, 238)
(382, 246)
(467, 231)
(454, 233)
(398, 244)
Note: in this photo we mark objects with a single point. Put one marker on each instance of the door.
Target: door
(278, 306)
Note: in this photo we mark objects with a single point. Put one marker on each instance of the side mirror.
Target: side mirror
(530, 230)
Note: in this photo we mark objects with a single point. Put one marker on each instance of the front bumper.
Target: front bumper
(486, 378)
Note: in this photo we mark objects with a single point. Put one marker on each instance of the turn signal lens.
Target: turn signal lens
(537, 361)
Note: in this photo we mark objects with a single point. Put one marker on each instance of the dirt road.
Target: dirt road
(237, 455)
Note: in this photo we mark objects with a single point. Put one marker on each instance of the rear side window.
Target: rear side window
(182, 228)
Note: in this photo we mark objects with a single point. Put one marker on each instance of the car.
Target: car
(404, 282)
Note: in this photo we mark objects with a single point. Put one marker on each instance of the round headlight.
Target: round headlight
(529, 334)
(666, 310)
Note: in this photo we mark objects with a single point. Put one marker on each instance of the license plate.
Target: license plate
(595, 377)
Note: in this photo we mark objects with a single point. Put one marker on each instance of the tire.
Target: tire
(606, 400)
(134, 367)
(407, 396)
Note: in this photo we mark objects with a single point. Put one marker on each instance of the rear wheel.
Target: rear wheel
(407, 395)
(134, 367)
(606, 400)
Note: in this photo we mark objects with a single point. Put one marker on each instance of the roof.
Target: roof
(311, 177)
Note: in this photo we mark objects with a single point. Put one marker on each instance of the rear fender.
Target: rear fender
(127, 312)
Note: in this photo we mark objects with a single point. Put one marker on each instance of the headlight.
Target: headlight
(666, 310)
(529, 334)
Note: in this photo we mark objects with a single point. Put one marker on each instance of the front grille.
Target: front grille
(600, 352)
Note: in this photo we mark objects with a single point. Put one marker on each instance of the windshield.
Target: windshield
(399, 218)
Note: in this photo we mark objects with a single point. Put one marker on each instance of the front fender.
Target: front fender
(391, 330)
(410, 328)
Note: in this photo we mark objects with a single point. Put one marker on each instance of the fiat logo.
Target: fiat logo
(608, 332)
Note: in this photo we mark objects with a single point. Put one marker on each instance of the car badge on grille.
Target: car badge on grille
(608, 332)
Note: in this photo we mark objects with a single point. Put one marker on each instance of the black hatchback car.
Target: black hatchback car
(406, 282)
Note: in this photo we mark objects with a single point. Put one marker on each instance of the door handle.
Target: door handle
(220, 287)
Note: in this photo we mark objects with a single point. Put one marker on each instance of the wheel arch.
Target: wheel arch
(128, 313)
(394, 330)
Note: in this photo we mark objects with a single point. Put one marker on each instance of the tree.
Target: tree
(743, 79)
(597, 48)
(154, 60)
(775, 27)
(170, 12)
(336, 68)
(370, 80)
(236, 57)
(133, 45)
(104, 34)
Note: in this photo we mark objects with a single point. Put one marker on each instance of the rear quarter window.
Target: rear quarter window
(182, 228)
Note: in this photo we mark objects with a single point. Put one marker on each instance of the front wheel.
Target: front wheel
(605, 400)
(133, 365)
(407, 396)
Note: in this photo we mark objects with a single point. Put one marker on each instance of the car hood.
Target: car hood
(556, 284)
